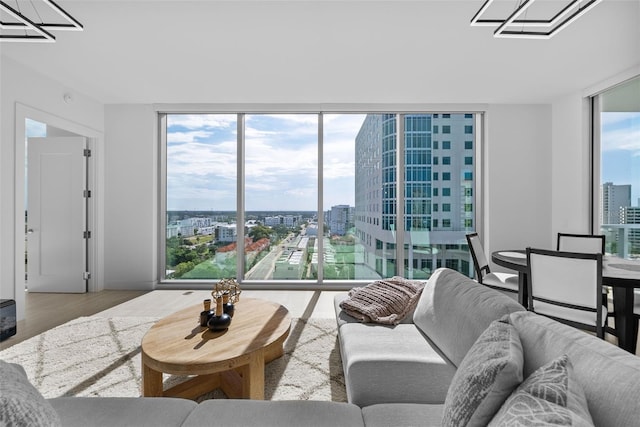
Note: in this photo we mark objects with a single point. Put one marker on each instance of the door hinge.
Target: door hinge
(87, 152)
(87, 193)
(87, 234)
(86, 275)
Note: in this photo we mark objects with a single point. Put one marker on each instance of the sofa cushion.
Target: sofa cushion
(487, 375)
(392, 364)
(550, 396)
(609, 375)
(402, 414)
(21, 403)
(386, 301)
(283, 413)
(454, 310)
(122, 411)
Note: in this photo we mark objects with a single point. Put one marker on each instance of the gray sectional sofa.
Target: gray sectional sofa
(395, 375)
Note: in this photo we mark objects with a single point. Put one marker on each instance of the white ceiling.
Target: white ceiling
(331, 51)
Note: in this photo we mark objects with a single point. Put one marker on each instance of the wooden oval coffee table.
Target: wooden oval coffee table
(232, 360)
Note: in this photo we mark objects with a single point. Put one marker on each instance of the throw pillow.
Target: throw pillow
(385, 301)
(487, 375)
(550, 396)
(21, 403)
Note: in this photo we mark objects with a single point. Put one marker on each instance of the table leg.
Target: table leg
(523, 290)
(253, 377)
(151, 382)
(626, 324)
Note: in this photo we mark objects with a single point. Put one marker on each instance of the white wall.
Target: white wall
(131, 243)
(518, 203)
(27, 87)
(570, 169)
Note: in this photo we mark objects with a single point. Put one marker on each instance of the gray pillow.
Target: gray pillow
(487, 375)
(21, 403)
(550, 396)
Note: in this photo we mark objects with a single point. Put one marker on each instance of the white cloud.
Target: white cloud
(621, 132)
(198, 121)
(281, 160)
(175, 137)
(201, 159)
(627, 140)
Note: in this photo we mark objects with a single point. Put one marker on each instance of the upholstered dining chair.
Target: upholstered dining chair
(504, 282)
(567, 286)
(586, 243)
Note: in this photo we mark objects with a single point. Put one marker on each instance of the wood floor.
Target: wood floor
(44, 311)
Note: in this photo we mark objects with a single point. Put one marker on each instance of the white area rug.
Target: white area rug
(93, 356)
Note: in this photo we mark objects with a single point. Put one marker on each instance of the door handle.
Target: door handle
(30, 231)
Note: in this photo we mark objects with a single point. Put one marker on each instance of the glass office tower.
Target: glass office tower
(437, 192)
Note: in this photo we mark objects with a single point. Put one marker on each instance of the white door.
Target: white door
(56, 214)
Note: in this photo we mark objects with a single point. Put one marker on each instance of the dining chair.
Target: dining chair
(567, 287)
(504, 282)
(587, 243)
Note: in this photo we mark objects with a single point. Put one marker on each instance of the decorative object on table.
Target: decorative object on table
(221, 320)
(229, 286)
(227, 305)
(207, 313)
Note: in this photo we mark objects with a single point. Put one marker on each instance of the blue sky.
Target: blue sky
(281, 161)
(620, 141)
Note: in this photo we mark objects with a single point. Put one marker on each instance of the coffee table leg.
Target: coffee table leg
(151, 382)
(253, 377)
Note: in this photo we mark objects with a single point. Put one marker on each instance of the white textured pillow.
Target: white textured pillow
(550, 396)
(21, 404)
(487, 375)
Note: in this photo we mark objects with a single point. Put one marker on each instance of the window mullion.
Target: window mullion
(400, 167)
(240, 250)
(320, 231)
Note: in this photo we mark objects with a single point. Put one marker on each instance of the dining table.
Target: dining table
(621, 274)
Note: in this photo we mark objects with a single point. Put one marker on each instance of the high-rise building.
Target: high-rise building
(631, 215)
(614, 199)
(438, 191)
(340, 219)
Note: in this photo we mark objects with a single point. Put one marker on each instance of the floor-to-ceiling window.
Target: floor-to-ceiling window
(321, 197)
(618, 118)
(201, 183)
(281, 195)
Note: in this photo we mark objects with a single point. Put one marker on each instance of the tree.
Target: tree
(183, 268)
(260, 232)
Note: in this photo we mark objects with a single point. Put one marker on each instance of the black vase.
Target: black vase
(228, 308)
(205, 316)
(219, 323)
